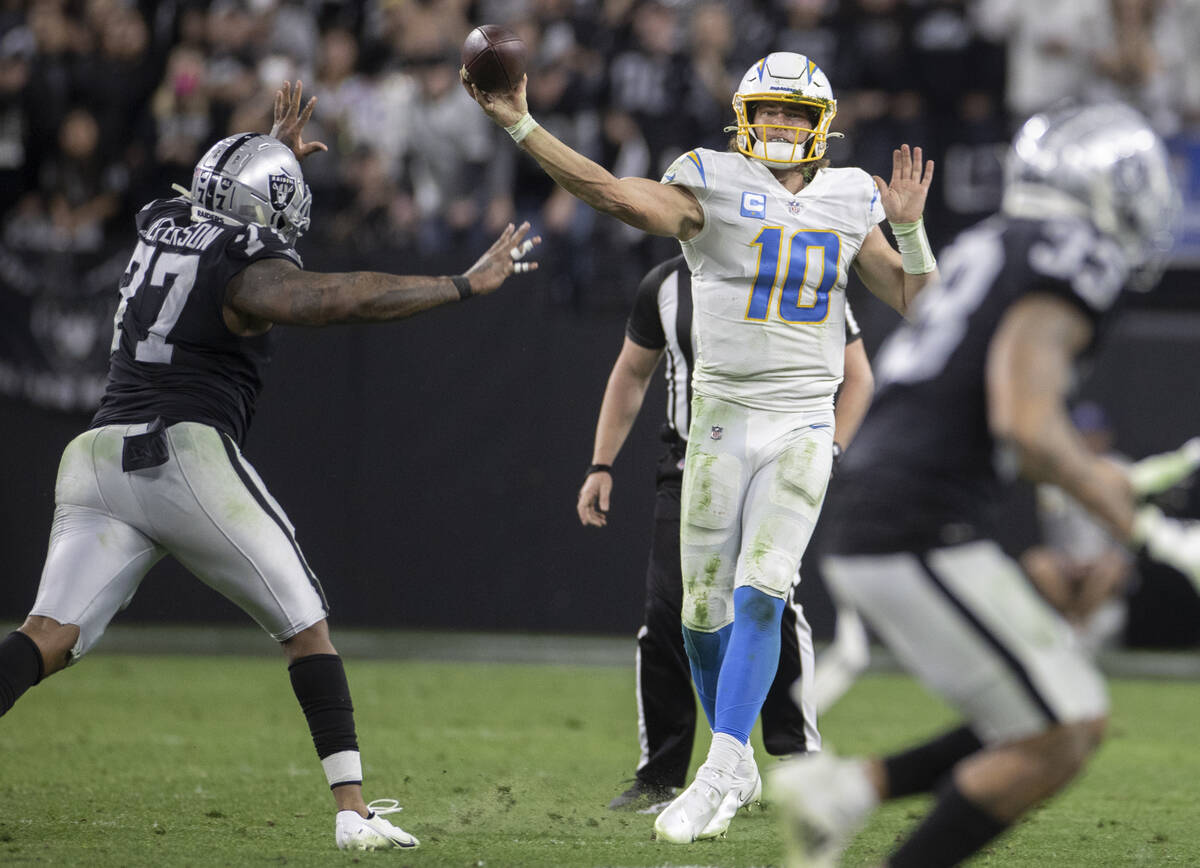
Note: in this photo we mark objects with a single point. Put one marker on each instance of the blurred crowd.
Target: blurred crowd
(105, 103)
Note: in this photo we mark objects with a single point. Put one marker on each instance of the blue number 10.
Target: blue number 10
(791, 307)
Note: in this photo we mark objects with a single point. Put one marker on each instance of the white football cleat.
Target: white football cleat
(372, 832)
(745, 792)
(824, 801)
(682, 821)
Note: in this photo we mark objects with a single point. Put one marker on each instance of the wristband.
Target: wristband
(463, 286)
(522, 128)
(598, 468)
(916, 255)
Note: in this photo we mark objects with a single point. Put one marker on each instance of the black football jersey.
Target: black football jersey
(173, 356)
(924, 470)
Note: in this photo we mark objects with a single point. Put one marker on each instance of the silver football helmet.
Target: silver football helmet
(1102, 162)
(784, 76)
(252, 178)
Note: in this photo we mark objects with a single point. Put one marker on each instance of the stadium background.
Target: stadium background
(431, 466)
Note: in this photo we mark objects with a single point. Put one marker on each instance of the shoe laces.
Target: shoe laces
(382, 807)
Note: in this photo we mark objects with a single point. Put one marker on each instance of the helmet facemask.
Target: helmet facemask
(808, 143)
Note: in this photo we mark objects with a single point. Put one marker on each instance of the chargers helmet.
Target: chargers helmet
(1102, 162)
(784, 76)
(252, 178)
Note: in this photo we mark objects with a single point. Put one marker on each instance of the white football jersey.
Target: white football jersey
(769, 273)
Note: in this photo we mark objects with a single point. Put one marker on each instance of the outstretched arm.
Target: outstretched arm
(622, 401)
(276, 291)
(660, 209)
(897, 277)
(1029, 375)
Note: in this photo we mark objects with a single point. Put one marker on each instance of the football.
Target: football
(494, 58)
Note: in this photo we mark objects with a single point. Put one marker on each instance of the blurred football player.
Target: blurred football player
(770, 233)
(973, 393)
(661, 323)
(161, 471)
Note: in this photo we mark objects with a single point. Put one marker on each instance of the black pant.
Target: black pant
(666, 704)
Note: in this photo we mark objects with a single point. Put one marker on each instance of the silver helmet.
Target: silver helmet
(1102, 162)
(252, 178)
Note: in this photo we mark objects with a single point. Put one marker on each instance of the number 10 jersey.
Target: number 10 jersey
(769, 273)
(173, 355)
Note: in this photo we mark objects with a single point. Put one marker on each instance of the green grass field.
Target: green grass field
(172, 760)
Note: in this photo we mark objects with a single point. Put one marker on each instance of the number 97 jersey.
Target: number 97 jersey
(173, 356)
(769, 271)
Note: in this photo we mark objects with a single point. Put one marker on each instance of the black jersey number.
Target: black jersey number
(171, 278)
(919, 351)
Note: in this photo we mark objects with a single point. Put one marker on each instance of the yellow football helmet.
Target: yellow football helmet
(784, 76)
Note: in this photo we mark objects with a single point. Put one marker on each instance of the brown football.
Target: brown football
(494, 58)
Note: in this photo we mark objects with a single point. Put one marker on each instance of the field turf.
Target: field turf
(163, 760)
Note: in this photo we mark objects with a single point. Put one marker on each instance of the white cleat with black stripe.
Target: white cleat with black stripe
(373, 832)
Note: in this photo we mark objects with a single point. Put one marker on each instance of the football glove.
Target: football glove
(1156, 473)
(1171, 541)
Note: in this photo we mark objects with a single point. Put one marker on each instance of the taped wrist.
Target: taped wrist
(522, 128)
(463, 285)
(916, 255)
(319, 682)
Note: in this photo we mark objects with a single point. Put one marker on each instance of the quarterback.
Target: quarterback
(769, 232)
(160, 471)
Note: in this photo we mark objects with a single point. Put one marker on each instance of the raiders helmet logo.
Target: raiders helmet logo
(283, 188)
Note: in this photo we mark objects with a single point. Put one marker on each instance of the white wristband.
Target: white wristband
(522, 128)
(915, 253)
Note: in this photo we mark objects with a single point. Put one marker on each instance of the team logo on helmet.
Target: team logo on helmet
(283, 189)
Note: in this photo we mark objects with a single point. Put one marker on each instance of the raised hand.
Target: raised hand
(503, 258)
(504, 107)
(903, 199)
(290, 120)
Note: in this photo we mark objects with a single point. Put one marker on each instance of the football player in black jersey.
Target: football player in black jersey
(161, 472)
(660, 324)
(973, 393)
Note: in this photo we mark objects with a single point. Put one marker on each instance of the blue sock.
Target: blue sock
(750, 662)
(706, 652)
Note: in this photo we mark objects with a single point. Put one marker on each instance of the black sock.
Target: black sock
(21, 667)
(951, 832)
(920, 769)
(319, 682)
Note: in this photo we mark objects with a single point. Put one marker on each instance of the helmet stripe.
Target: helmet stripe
(211, 193)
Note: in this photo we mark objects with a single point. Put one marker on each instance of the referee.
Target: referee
(661, 322)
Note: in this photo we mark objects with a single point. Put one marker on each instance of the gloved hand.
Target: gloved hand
(1156, 473)
(1174, 542)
